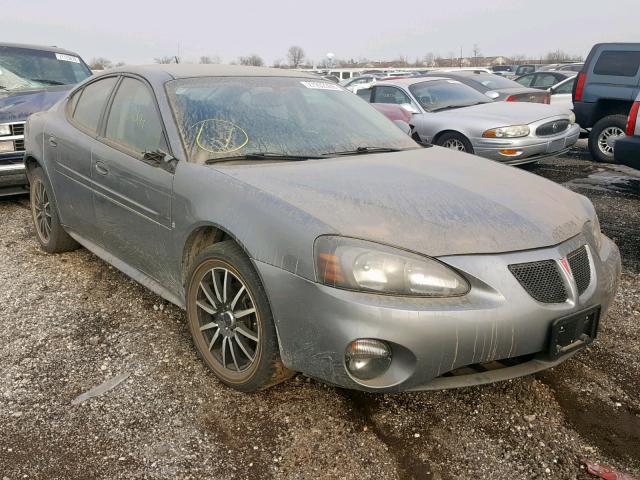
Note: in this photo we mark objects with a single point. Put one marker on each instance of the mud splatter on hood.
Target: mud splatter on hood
(432, 201)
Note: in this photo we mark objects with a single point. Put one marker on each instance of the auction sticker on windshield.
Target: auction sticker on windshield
(321, 86)
(67, 58)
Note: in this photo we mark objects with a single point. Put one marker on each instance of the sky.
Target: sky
(138, 32)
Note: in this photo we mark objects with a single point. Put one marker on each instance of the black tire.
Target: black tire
(464, 145)
(44, 211)
(246, 374)
(598, 151)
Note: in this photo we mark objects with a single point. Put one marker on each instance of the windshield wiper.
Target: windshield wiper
(264, 156)
(44, 80)
(363, 151)
(451, 107)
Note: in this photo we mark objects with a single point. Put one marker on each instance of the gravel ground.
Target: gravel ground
(69, 322)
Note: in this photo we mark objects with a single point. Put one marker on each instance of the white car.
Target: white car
(561, 93)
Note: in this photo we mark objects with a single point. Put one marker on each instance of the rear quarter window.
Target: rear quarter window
(618, 63)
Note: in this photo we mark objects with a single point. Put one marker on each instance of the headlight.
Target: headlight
(572, 118)
(508, 132)
(370, 267)
(5, 130)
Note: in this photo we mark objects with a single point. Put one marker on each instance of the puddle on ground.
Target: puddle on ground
(608, 181)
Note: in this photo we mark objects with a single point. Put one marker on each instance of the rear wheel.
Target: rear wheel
(231, 321)
(455, 141)
(49, 231)
(604, 135)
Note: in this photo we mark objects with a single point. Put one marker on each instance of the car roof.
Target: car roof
(184, 70)
(44, 48)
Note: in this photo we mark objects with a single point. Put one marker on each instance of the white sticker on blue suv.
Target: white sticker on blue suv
(67, 58)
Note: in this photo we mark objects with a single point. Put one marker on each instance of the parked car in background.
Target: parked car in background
(376, 265)
(494, 86)
(508, 71)
(561, 93)
(528, 68)
(453, 115)
(604, 92)
(570, 67)
(543, 80)
(32, 78)
(360, 81)
(627, 149)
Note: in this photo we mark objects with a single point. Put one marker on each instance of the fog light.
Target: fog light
(5, 130)
(6, 147)
(367, 358)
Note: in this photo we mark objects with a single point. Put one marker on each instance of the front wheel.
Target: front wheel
(604, 135)
(49, 231)
(231, 321)
(455, 141)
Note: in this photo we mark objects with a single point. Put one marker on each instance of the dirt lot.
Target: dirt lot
(69, 322)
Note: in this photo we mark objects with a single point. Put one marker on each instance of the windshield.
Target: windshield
(443, 94)
(231, 117)
(29, 68)
(493, 82)
(502, 68)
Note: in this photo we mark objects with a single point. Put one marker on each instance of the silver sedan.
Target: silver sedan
(302, 231)
(453, 115)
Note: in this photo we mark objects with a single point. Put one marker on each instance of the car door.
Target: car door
(69, 143)
(133, 195)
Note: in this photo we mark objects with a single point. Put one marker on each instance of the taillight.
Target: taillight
(633, 118)
(582, 78)
(511, 98)
(547, 99)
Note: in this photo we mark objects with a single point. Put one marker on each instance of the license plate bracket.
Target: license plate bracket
(573, 331)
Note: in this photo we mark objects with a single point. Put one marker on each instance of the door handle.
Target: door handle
(101, 168)
(52, 141)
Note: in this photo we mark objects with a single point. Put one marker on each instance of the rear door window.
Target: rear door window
(93, 98)
(566, 87)
(526, 80)
(618, 63)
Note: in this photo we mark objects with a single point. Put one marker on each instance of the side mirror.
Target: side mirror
(404, 126)
(492, 95)
(160, 159)
(409, 108)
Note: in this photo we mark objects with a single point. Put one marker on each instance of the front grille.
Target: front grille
(19, 145)
(542, 280)
(552, 128)
(17, 129)
(580, 268)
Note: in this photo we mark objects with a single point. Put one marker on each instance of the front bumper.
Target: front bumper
(530, 149)
(496, 320)
(13, 176)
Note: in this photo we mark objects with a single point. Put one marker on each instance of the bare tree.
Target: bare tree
(476, 54)
(100, 63)
(558, 56)
(252, 60)
(518, 58)
(277, 63)
(164, 60)
(120, 64)
(428, 59)
(206, 59)
(295, 56)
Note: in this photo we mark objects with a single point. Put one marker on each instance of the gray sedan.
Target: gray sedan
(303, 231)
(453, 115)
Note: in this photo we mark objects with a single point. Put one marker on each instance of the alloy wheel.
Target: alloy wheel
(454, 144)
(228, 320)
(608, 138)
(42, 211)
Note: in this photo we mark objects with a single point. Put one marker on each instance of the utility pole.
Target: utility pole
(460, 57)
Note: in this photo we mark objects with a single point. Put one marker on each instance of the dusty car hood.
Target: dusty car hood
(499, 114)
(433, 200)
(17, 105)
